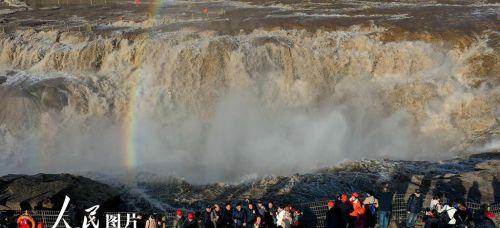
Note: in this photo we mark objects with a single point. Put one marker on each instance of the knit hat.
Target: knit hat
(190, 216)
(330, 203)
(490, 215)
(355, 194)
(178, 213)
(344, 198)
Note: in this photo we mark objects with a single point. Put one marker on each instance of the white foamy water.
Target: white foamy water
(219, 107)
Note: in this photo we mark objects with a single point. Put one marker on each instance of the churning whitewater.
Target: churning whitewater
(210, 106)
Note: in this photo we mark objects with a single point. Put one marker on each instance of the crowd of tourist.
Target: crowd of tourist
(347, 211)
(232, 216)
(376, 212)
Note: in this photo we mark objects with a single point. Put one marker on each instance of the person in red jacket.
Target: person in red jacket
(25, 221)
(358, 212)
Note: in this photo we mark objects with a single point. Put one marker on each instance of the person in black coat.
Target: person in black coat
(252, 214)
(3, 220)
(345, 209)
(270, 217)
(227, 217)
(75, 215)
(140, 221)
(239, 217)
(191, 221)
(206, 218)
(332, 216)
(72, 214)
(483, 218)
(385, 207)
(463, 216)
(414, 207)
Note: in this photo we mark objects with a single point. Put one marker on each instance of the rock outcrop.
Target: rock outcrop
(47, 191)
(15, 3)
(475, 179)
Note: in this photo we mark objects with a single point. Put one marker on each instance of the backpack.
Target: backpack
(462, 222)
(444, 217)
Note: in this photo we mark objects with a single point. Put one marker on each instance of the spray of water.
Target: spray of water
(212, 108)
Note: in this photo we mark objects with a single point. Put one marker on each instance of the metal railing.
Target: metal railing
(314, 213)
(47, 217)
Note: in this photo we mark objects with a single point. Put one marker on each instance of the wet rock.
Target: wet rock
(457, 179)
(491, 165)
(3, 79)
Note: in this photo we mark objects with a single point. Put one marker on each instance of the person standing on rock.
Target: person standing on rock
(413, 207)
(178, 220)
(385, 207)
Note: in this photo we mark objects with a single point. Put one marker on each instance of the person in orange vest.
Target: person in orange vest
(358, 212)
(25, 221)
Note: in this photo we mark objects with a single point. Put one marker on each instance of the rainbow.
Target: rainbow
(130, 120)
(130, 123)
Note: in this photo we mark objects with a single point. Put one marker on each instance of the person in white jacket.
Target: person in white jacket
(279, 216)
(436, 203)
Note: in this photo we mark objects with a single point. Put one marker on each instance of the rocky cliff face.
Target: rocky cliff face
(47, 191)
(475, 179)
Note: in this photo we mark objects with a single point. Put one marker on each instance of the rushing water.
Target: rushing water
(213, 106)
